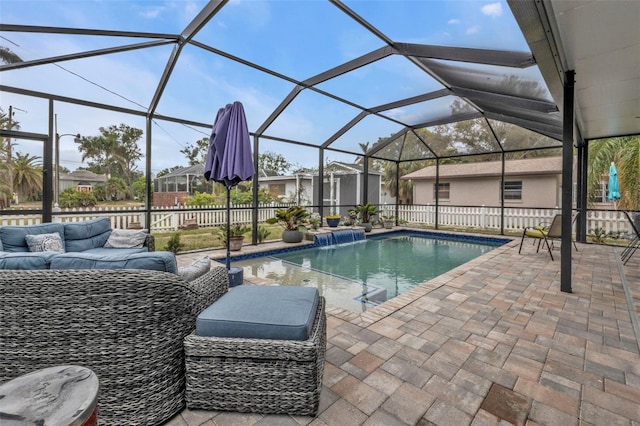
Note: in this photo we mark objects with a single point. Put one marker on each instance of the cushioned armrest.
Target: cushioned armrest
(208, 288)
(150, 242)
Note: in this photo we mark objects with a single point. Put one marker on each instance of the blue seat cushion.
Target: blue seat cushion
(26, 260)
(81, 236)
(162, 261)
(13, 237)
(261, 312)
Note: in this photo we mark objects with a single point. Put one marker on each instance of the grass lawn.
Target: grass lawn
(208, 238)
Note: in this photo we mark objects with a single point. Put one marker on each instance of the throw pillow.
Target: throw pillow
(45, 242)
(126, 238)
(195, 270)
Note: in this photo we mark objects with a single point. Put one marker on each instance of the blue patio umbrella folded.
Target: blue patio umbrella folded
(229, 160)
(614, 185)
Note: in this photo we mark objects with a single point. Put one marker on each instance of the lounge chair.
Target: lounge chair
(634, 244)
(546, 234)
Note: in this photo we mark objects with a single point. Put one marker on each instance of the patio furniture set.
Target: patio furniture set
(158, 341)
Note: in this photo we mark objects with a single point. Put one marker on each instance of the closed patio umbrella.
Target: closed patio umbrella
(614, 186)
(229, 159)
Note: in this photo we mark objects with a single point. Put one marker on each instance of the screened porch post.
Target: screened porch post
(437, 191)
(397, 191)
(47, 162)
(567, 182)
(255, 184)
(321, 182)
(365, 184)
(502, 173)
(147, 176)
(583, 170)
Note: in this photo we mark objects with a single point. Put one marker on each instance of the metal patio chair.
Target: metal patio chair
(634, 244)
(546, 235)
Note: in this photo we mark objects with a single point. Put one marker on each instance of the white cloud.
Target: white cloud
(453, 21)
(152, 12)
(473, 30)
(492, 9)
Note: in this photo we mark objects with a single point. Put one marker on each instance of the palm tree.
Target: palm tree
(8, 57)
(625, 153)
(27, 176)
(6, 171)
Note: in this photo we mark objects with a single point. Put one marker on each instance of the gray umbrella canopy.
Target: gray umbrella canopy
(229, 160)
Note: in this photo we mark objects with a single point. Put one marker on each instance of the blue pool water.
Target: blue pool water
(367, 271)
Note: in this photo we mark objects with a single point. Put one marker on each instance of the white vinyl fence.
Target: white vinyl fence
(514, 219)
(210, 216)
(161, 221)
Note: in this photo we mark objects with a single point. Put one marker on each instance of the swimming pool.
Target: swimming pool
(361, 274)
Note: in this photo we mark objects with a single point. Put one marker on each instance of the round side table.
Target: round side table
(62, 395)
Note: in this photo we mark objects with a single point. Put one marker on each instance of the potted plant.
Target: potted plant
(365, 213)
(333, 220)
(236, 235)
(388, 221)
(293, 220)
(315, 221)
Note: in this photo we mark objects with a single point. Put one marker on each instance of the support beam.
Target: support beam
(255, 188)
(567, 182)
(437, 189)
(581, 222)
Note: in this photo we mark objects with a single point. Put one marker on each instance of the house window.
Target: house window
(442, 191)
(278, 189)
(513, 190)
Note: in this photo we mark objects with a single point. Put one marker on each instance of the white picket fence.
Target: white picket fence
(514, 219)
(210, 216)
(161, 221)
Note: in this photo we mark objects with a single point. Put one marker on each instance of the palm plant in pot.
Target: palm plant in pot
(293, 220)
(236, 235)
(365, 214)
(388, 221)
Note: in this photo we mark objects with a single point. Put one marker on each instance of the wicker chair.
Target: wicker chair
(128, 326)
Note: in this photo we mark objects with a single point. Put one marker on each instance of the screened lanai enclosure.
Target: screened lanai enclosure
(131, 90)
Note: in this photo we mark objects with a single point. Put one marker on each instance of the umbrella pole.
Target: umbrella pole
(228, 262)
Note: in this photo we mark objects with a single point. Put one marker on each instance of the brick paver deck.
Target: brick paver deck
(491, 342)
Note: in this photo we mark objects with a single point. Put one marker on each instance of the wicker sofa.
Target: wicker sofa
(128, 326)
(85, 245)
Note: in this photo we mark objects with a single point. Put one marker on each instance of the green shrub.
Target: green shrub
(263, 233)
(71, 198)
(174, 245)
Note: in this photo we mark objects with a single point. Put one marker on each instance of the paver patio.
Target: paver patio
(490, 342)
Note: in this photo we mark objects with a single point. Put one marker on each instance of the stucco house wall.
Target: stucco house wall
(476, 184)
(537, 191)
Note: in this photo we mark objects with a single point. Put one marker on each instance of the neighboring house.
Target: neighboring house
(296, 188)
(534, 182)
(343, 185)
(81, 180)
(171, 189)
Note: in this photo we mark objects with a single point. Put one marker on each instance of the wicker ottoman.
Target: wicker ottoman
(266, 376)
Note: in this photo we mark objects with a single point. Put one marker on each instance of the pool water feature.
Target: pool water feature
(362, 273)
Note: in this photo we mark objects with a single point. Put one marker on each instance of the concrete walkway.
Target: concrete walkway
(491, 342)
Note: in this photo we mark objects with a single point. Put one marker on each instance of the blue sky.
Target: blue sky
(298, 39)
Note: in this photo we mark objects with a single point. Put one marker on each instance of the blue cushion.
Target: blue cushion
(163, 261)
(261, 312)
(81, 236)
(13, 237)
(29, 261)
(104, 251)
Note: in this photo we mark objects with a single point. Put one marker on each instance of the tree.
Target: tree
(197, 154)
(27, 176)
(114, 153)
(625, 153)
(6, 159)
(271, 161)
(9, 57)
